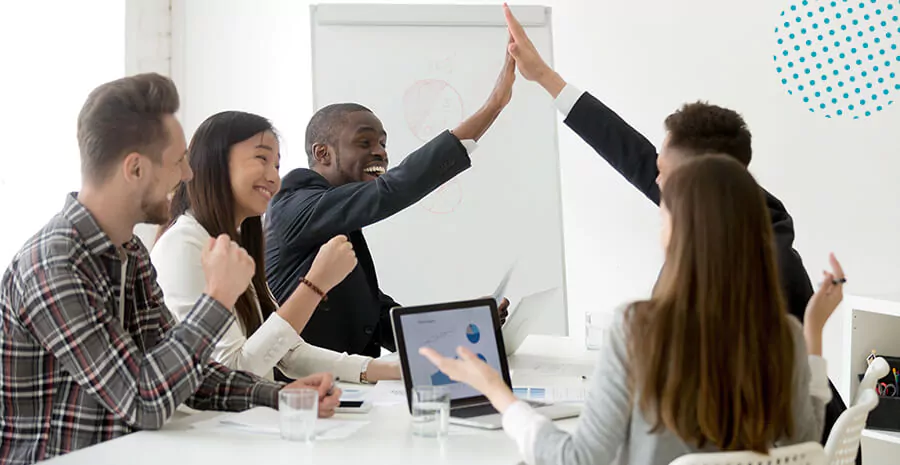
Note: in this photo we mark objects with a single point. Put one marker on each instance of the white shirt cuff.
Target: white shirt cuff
(818, 383)
(305, 359)
(470, 145)
(522, 424)
(260, 352)
(567, 99)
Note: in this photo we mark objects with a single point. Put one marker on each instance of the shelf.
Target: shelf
(867, 304)
(887, 436)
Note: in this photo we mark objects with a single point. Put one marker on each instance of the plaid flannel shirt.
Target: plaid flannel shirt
(74, 372)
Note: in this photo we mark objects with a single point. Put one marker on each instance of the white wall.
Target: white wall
(148, 49)
(643, 59)
(50, 64)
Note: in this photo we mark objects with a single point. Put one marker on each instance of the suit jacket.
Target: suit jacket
(633, 156)
(308, 211)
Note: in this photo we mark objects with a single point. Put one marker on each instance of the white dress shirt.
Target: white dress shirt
(567, 99)
(177, 259)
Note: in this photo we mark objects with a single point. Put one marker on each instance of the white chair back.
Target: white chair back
(808, 453)
(879, 368)
(843, 441)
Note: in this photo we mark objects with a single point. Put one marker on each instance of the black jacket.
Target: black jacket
(308, 211)
(634, 157)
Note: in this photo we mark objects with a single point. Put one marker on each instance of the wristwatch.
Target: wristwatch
(363, 372)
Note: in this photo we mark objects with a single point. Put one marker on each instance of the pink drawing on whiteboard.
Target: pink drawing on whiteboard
(431, 106)
(444, 200)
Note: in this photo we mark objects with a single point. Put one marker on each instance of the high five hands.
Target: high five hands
(528, 61)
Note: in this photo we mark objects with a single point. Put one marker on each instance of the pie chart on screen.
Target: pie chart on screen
(472, 333)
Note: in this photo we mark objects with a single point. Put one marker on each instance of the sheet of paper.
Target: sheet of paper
(388, 393)
(501, 289)
(265, 420)
(553, 367)
(551, 394)
(390, 357)
(351, 394)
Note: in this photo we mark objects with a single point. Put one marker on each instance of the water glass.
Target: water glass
(298, 409)
(430, 411)
(595, 324)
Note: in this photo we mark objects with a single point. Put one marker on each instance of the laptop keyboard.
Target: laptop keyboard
(474, 411)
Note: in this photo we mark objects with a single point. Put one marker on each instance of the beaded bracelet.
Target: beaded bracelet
(314, 288)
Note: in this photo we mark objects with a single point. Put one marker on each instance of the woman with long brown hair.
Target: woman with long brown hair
(235, 158)
(711, 361)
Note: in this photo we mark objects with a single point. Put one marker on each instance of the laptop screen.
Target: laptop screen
(444, 331)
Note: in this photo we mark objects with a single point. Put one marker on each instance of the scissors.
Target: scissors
(885, 389)
(871, 357)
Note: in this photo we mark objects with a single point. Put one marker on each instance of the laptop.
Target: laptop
(535, 314)
(443, 327)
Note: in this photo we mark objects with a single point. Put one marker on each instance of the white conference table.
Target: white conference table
(386, 438)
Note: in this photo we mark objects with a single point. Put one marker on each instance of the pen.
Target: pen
(331, 388)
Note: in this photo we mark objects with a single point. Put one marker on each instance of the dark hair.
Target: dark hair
(711, 353)
(700, 128)
(210, 199)
(121, 117)
(325, 124)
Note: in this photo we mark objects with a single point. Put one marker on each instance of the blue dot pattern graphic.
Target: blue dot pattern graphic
(840, 58)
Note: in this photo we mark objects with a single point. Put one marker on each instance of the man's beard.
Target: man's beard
(344, 177)
(155, 212)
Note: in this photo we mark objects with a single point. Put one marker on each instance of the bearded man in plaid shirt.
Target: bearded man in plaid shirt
(88, 350)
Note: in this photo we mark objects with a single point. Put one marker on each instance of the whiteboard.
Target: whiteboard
(423, 69)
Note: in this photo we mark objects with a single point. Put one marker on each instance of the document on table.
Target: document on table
(390, 357)
(553, 367)
(551, 394)
(388, 393)
(265, 420)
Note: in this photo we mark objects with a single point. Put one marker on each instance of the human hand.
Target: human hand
(503, 310)
(528, 60)
(228, 269)
(329, 394)
(335, 260)
(470, 369)
(502, 92)
(823, 303)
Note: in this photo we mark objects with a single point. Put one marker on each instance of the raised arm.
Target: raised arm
(313, 215)
(178, 260)
(624, 148)
(303, 217)
(812, 391)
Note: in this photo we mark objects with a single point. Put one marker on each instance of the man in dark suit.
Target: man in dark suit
(347, 188)
(694, 130)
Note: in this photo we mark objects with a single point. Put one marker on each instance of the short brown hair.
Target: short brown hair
(121, 117)
(700, 128)
(712, 353)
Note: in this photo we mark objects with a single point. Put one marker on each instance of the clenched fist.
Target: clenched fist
(335, 260)
(228, 269)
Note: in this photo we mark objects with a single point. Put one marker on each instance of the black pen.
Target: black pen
(331, 389)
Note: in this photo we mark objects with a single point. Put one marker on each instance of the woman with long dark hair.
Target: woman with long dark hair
(711, 361)
(235, 159)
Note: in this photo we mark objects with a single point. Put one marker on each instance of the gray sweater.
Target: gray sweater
(612, 427)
